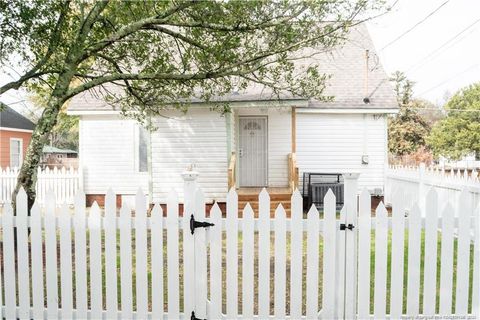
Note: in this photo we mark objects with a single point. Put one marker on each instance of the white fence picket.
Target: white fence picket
(247, 262)
(111, 255)
(398, 244)
(381, 242)
(141, 255)
(51, 256)
(80, 257)
(216, 263)
(37, 262)
(200, 259)
(232, 254)
(312, 263)
(340, 261)
(172, 256)
(95, 229)
(463, 253)
(296, 242)
(157, 261)
(23, 256)
(414, 242)
(350, 266)
(188, 246)
(66, 287)
(364, 239)
(430, 267)
(263, 254)
(329, 256)
(476, 266)
(446, 258)
(9, 263)
(280, 246)
(126, 262)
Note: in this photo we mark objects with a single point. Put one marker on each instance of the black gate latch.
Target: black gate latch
(343, 226)
(198, 224)
(192, 317)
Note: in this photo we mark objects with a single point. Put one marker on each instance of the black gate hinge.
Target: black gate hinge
(192, 317)
(343, 226)
(198, 224)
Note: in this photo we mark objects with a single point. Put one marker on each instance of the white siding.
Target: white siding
(108, 155)
(335, 143)
(279, 141)
(199, 138)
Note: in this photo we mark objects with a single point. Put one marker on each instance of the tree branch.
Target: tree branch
(176, 35)
(33, 73)
(132, 28)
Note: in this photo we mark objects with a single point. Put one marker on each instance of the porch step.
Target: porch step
(273, 205)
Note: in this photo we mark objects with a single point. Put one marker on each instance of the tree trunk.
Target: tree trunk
(27, 176)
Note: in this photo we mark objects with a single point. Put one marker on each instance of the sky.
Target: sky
(437, 65)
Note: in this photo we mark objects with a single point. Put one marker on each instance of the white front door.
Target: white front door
(252, 151)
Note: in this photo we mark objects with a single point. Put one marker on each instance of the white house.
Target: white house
(261, 141)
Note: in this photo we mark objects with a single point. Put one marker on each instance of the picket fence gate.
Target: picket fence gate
(63, 182)
(151, 266)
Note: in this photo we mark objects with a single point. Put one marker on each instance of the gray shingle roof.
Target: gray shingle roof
(346, 64)
(10, 118)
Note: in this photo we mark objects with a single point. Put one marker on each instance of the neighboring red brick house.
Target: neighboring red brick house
(15, 134)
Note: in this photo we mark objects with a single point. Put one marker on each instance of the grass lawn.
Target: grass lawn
(287, 274)
(304, 273)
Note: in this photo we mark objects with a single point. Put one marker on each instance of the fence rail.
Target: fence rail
(63, 182)
(116, 263)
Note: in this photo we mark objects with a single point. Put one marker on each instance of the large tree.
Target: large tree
(458, 134)
(163, 52)
(408, 129)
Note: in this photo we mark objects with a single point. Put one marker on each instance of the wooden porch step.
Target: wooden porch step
(273, 206)
(277, 196)
(273, 197)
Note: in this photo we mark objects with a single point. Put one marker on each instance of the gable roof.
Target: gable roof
(10, 118)
(349, 83)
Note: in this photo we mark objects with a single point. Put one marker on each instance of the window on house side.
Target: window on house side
(142, 150)
(15, 152)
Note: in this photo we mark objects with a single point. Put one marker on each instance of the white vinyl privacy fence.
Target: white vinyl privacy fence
(63, 182)
(117, 263)
(413, 183)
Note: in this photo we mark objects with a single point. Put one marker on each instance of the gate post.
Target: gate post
(351, 210)
(189, 189)
(421, 189)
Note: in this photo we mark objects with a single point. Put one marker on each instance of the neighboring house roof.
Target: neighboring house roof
(10, 118)
(349, 84)
(51, 149)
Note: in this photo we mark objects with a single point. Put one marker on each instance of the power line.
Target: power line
(444, 110)
(414, 26)
(449, 79)
(418, 64)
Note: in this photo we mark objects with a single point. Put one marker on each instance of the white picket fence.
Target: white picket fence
(155, 267)
(63, 182)
(413, 183)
